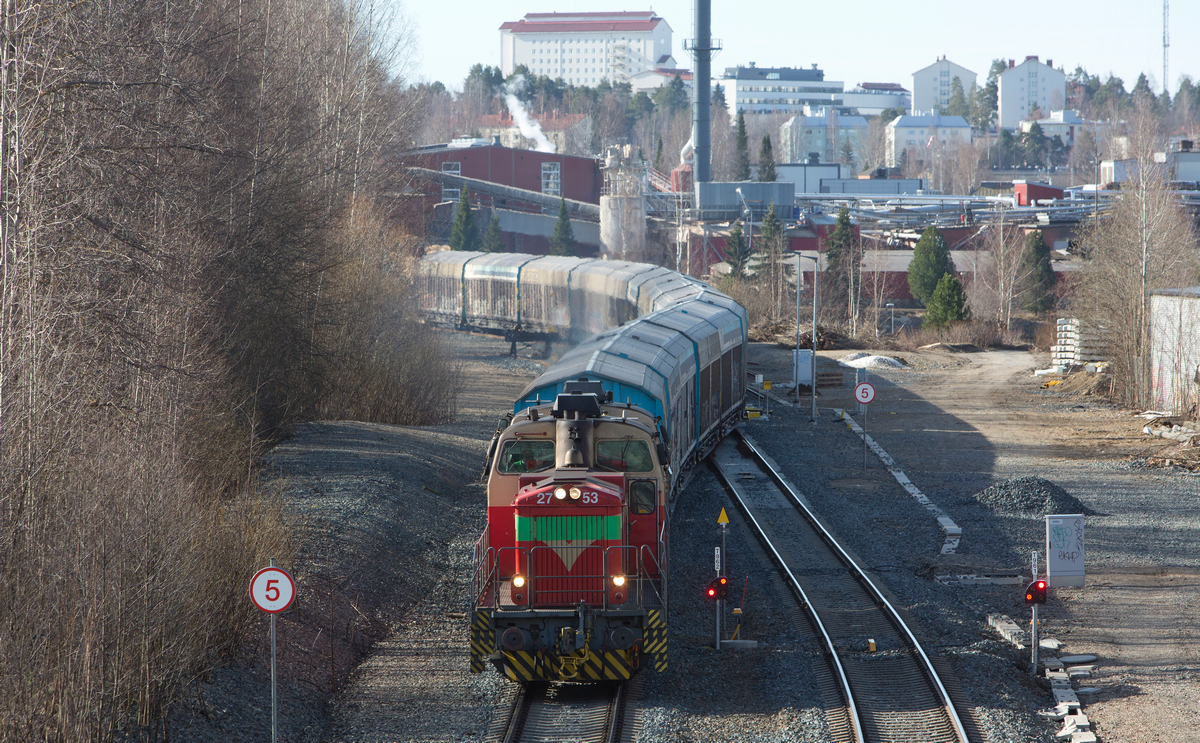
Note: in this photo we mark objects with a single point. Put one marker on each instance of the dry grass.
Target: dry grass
(983, 335)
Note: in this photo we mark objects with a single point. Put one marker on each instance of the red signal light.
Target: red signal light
(717, 588)
(1035, 593)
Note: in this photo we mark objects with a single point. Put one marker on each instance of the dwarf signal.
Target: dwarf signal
(1035, 593)
(718, 588)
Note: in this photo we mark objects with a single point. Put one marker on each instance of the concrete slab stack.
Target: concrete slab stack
(1078, 343)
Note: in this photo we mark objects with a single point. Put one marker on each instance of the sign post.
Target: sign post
(1034, 624)
(864, 393)
(718, 564)
(272, 590)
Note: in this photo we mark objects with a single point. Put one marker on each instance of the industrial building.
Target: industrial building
(586, 48)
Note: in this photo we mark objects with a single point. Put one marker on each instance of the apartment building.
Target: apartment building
(778, 89)
(826, 133)
(932, 85)
(924, 135)
(586, 48)
(1031, 84)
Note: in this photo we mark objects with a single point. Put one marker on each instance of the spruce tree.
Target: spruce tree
(840, 261)
(658, 155)
(562, 242)
(766, 160)
(947, 304)
(741, 166)
(464, 235)
(718, 96)
(1039, 297)
(493, 240)
(930, 262)
(737, 252)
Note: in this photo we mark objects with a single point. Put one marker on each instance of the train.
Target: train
(571, 573)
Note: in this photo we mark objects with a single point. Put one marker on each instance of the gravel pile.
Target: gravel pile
(859, 360)
(1031, 495)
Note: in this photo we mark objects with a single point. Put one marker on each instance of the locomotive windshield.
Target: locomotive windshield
(526, 456)
(624, 455)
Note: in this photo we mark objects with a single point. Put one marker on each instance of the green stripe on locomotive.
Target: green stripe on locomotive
(584, 529)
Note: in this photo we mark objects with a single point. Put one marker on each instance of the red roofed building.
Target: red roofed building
(585, 48)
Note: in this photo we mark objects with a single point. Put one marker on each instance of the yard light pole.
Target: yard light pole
(749, 220)
(892, 309)
(813, 358)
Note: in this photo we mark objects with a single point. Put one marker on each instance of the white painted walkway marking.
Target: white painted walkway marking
(952, 530)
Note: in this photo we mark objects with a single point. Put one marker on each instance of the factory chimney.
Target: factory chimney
(702, 49)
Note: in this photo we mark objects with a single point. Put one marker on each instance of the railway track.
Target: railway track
(889, 688)
(568, 713)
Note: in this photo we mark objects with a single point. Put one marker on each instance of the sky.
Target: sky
(854, 42)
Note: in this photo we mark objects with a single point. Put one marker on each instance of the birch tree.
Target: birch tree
(1145, 242)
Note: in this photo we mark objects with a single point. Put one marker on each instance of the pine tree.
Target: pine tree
(1039, 297)
(493, 239)
(464, 235)
(562, 242)
(766, 160)
(930, 262)
(737, 252)
(741, 167)
(947, 304)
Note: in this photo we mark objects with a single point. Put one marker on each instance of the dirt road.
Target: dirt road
(978, 418)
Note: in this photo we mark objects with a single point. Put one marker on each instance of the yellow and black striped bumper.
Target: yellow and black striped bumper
(654, 642)
(610, 665)
(483, 639)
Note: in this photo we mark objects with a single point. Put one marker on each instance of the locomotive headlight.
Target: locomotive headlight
(518, 581)
(575, 493)
(618, 580)
(560, 493)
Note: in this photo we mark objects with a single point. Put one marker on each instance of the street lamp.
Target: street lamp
(749, 219)
(813, 358)
(892, 309)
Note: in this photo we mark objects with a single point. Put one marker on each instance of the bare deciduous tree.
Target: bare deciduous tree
(1145, 242)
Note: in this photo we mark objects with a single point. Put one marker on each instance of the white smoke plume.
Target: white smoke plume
(529, 126)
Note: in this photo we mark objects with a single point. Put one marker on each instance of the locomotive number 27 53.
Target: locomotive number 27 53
(586, 497)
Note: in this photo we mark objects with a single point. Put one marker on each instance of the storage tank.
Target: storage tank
(623, 207)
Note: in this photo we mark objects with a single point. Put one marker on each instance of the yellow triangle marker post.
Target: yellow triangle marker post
(723, 518)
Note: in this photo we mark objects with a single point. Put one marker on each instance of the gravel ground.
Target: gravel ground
(387, 517)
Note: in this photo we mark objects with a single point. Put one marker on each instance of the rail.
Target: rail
(873, 719)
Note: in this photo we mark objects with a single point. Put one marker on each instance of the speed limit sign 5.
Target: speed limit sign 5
(272, 590)
(864, 393)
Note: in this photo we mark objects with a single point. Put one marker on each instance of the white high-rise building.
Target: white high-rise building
(777, 89)
(585, 48)
(1028, 85)
(932, 85)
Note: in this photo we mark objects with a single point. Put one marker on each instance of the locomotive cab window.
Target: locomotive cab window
(526, 456)
(624, 455)
(642, 496)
